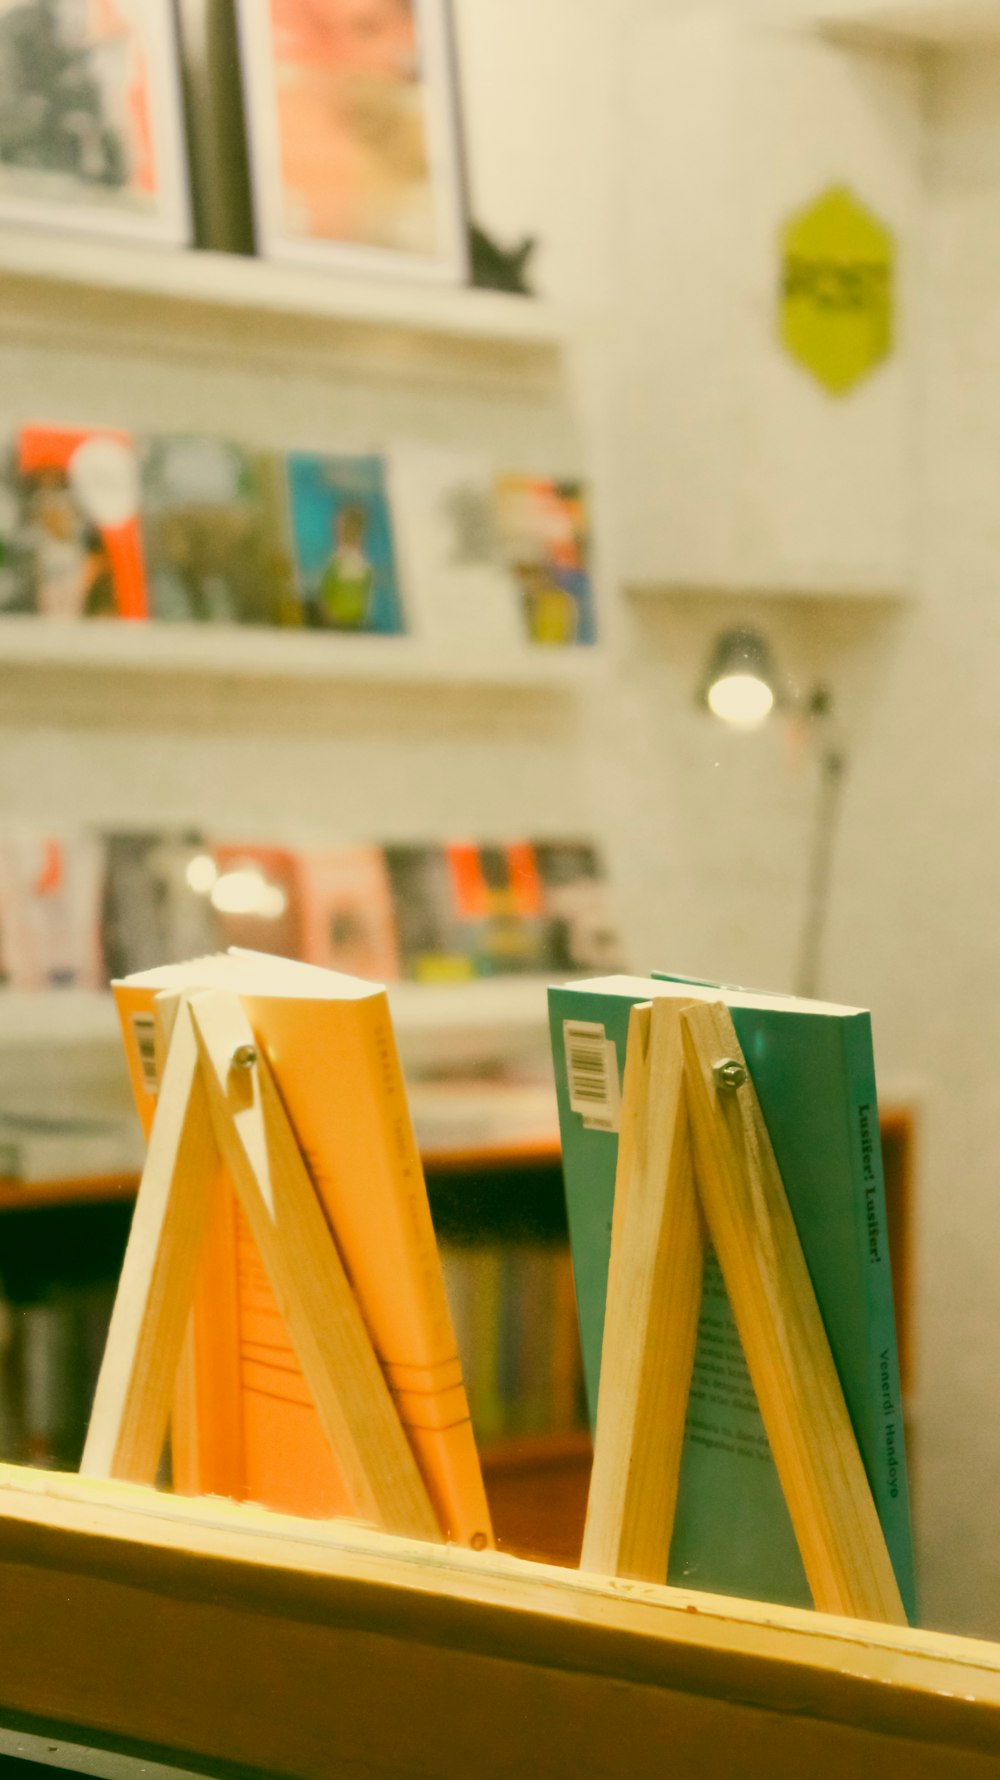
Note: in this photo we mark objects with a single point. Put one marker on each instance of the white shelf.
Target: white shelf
(862, 592)
(259, 653)
(497, 1022)
(235, 282)
(438, 1026)
(63, 1017)
(919, 23)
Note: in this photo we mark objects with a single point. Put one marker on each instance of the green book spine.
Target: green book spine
(813, 1072)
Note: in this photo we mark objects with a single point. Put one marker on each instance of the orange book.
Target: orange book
(243, 1422)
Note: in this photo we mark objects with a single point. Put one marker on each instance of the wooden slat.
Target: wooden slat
(787, 1352)
(210, 1634)
(131, 1409)
(651, 1322)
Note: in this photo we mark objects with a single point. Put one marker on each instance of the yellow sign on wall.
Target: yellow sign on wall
(837, 296)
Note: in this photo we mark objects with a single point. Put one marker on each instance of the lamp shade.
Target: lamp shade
(741, 685)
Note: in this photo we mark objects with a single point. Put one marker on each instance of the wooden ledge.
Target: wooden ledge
(215, 1634)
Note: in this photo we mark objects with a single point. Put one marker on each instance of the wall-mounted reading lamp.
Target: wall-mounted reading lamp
(741, 685)
(742, 688)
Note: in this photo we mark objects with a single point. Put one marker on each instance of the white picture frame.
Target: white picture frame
(377, 222)
(119, 171)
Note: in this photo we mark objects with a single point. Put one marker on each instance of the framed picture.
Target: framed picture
(91, 120)
(354, 142)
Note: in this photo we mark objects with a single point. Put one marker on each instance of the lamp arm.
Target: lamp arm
(833, 766)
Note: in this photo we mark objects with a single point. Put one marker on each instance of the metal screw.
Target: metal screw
(244, 1056)
(729, 1075)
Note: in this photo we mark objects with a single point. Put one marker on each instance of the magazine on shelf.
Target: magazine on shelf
(342, 542)
(454, 571)
(545, 539)
(51, 888)
(73, 547)
(156, 904)
(347, 916)
(215, 532)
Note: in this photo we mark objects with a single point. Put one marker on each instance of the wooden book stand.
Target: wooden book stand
(217, 1101)
(695, 1163)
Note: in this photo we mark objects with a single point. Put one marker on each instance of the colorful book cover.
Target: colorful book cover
(256, 896)
(576, 902)
(346, 912)
(497, 897)
(156, 905)
(427, 926)
(467, 910)
(50, 909)
(458, 584)
(343, 544)
(545, 537)
(813, 1070)
(77, 538)
(215, 533)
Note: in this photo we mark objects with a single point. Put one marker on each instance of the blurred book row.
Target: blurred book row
(50, 1356)
(95, 523)
(514, 1311)
(78, 908)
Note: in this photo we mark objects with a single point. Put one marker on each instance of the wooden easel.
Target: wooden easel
(218, 1104)
(695, 1163)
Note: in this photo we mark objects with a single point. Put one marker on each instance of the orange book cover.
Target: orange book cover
(330, 1044)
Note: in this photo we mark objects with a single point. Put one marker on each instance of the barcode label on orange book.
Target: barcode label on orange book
(592, 1074)
(144, 1032)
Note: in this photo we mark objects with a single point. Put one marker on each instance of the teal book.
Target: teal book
(813, 1069)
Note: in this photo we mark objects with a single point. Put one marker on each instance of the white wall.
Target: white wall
(737, 469)
(711, 842)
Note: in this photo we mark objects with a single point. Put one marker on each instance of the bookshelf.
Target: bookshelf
(537, 1481)
(95, 1189)
(62, 1247)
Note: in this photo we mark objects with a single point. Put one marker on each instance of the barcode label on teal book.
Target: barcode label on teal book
(813, 1070)
(592, 1074)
